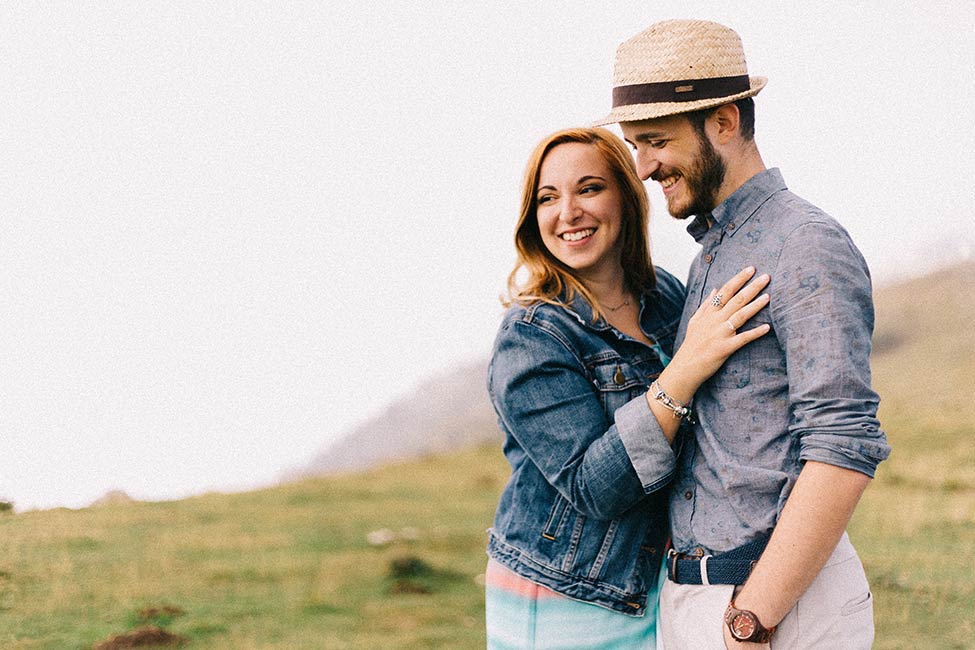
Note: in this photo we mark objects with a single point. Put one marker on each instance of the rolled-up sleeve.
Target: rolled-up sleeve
(546, 403)
(824, 323)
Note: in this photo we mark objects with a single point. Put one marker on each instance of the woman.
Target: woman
(590, 402)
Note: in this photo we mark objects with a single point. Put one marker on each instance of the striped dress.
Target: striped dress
(524, 616)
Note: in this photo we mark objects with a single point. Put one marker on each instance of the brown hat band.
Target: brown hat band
(688, 90)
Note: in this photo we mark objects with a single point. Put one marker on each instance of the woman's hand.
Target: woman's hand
(712, 334)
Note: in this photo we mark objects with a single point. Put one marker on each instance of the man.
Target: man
(786, 437)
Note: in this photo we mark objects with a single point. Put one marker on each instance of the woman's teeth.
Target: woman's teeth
(577, 235)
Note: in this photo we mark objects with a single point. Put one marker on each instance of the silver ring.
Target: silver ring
(716, 301)
(730, 325)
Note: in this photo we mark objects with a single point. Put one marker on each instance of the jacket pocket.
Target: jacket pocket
(617, 382)
(556, 518)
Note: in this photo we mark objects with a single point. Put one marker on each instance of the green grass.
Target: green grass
(287, 567)
(290, 568)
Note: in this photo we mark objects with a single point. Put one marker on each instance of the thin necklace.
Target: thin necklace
(619, 306)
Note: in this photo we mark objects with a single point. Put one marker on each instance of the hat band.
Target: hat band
(688, 90)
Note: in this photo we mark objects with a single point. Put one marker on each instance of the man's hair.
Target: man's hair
(746, 118)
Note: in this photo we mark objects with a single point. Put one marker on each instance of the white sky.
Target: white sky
(230, 231)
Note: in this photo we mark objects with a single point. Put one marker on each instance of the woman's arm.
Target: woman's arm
(547, 404)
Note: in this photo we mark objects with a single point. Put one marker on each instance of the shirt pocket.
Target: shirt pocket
(735, 372)
(751, 362)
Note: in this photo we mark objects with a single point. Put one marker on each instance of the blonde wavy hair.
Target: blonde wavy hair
(551, 281)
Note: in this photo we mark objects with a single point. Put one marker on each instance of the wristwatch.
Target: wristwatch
(745, 626)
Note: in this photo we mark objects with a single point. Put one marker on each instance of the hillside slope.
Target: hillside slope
(393, 557)
(445, 413)
(922, 347)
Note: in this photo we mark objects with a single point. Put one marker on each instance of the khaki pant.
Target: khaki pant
(835, 613)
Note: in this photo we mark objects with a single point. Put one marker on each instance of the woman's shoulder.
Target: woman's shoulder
(539, 313)
(667, 280)
(668, 285)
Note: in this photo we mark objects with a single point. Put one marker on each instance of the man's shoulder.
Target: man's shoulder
(790, 211)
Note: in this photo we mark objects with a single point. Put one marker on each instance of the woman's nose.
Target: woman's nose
(571, 210)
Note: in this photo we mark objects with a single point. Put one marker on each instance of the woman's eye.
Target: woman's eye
(589, 189)
(544, 199)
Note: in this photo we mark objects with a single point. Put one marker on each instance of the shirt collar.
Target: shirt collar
(741, 205)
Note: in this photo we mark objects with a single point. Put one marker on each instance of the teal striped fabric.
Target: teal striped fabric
(524, 616)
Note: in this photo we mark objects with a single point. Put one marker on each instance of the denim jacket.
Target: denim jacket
(584, 512)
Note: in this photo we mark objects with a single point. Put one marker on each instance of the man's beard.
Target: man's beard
(703, 181)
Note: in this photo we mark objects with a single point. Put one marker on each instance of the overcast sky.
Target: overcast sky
(231, 231)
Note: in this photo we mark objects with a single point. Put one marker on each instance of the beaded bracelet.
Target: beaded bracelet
(681, 411)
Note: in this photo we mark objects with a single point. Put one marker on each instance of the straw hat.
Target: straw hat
(678, 66)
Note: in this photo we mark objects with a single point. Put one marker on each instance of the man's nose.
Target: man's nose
(646, 165)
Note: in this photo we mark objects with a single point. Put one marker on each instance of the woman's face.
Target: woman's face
(579, 209)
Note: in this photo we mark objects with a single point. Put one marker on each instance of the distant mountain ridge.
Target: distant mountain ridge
(445, 413)
(922, 338)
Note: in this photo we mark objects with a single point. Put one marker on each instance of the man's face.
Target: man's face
(670, 150)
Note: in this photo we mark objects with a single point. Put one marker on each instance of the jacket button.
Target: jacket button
(618, 377)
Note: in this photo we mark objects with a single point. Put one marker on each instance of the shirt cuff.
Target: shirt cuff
(646, 445)
(855, 453)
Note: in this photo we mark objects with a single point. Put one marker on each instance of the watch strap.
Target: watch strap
(756, 632)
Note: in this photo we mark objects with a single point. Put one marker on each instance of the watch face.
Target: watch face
(743, 626)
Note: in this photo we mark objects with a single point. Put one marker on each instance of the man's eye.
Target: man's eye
(657, 144)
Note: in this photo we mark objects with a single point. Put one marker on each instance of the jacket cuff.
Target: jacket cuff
(651, 455)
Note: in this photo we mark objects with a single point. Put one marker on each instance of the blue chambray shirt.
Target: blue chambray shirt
(801, 392)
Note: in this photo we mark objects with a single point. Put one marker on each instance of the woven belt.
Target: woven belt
(729, 568)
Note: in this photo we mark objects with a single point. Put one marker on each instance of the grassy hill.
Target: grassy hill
(915, 528)
(285, 568)
(391, 557)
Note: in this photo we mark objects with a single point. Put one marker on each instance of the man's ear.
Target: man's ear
(726, 118)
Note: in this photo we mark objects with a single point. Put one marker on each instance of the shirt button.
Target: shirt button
(709, 258)
(688, 495)
(731, 226)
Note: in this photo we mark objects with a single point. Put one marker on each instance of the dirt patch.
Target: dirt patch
(405, 587)
(143, 637)
(152, 613)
